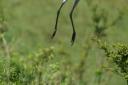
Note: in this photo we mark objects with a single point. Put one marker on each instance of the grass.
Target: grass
(30, 24)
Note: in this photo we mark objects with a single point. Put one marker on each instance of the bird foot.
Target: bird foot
(73, 38)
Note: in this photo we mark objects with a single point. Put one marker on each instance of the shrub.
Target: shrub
(117, 55)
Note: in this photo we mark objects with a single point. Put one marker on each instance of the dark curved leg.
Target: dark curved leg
(58, 13)
(71, 13)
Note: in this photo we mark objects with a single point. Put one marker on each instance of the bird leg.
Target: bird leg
(58, 13)
(71, 13)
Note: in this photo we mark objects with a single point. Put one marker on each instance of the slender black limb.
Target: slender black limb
(58, 13)
(71, 13)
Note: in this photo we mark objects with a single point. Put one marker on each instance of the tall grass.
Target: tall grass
(29, 57)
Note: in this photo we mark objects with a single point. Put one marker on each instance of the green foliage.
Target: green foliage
(100, 20)
(117, 54)
(29, 57)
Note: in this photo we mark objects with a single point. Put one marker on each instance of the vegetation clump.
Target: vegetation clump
(117, 55)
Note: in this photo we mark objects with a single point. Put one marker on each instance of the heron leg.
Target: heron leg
(57, 17)
(71, 13)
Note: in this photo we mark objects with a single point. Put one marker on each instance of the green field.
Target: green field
(28, 56)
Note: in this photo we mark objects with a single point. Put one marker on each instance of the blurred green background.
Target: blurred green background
(38, 60)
